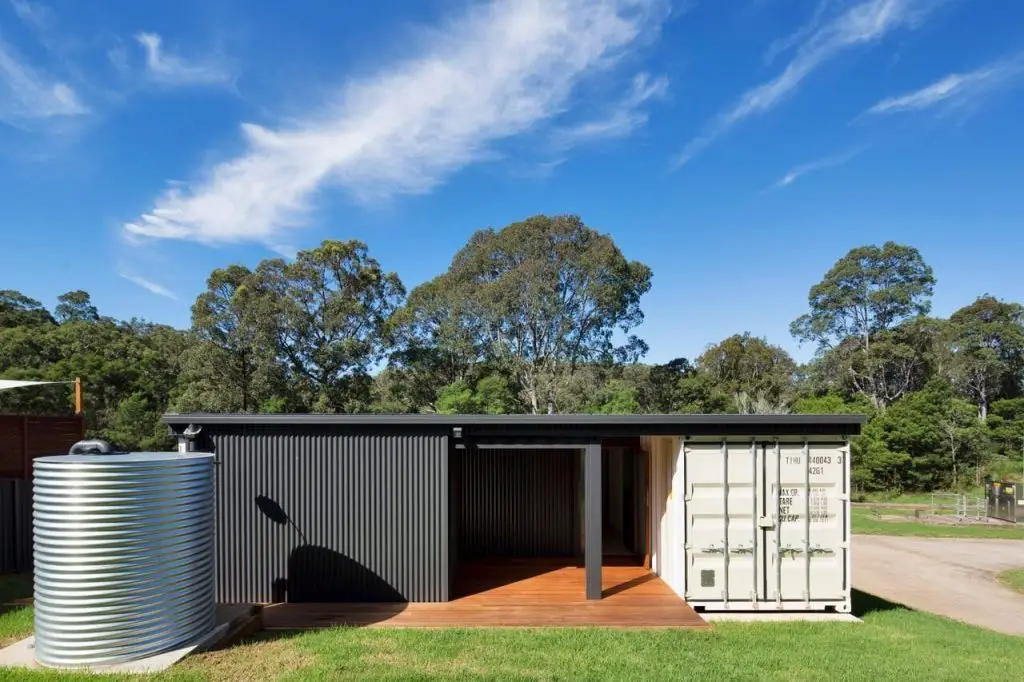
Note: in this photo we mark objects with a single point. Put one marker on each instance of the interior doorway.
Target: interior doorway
(624, 502)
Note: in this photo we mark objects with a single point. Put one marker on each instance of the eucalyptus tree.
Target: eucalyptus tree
(538, 298)
(856, 310)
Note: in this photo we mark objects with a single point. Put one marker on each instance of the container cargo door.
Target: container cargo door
(766, 524)
(722, 511)
(807, 541)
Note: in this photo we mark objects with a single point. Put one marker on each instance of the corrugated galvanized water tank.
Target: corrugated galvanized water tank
(123, 555)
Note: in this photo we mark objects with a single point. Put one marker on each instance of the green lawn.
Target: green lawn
(1014, 579)
(866, 521)
(893, 644)
(15, 621)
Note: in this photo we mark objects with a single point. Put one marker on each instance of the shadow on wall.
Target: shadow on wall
(320, 574)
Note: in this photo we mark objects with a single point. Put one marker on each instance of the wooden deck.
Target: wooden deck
(512, 594)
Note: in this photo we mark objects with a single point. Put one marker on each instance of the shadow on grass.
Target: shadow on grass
(10, 608)
(15, 586)
(865, 603)
(261, 636)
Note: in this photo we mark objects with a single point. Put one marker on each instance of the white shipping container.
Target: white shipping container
(765, 524)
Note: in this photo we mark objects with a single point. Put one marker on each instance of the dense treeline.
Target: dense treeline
(538, 317)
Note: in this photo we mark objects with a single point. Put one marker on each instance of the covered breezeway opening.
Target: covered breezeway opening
(521, 510)
(516, 514)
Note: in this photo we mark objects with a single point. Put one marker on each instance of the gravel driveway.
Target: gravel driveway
(951, 577)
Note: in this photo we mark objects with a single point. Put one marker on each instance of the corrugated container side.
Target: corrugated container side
(330, 514)
(519, 503)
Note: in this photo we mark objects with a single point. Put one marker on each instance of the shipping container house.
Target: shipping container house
(733, 512)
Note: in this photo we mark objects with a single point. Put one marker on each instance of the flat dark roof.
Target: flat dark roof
(516, 424)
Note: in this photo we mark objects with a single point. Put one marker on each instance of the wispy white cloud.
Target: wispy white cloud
(35, 14)
(28, 93)
(117, 55)
(286, 251)
(787, 43)
(820, 164)
(171, 69)
(863, 23)
(625, 117)
(148, 285)
(66, 47)
(498, 71)
(955, 89)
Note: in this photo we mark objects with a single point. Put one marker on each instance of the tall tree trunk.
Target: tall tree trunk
(952, 449)
(245, 382)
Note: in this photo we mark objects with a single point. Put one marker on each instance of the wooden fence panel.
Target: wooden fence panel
(25, 437)
(12, 446)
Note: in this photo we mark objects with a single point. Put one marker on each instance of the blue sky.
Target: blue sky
(738, 148)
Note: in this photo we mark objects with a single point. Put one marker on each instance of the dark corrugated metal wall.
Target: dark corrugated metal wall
(454, 515)
(519, 503)
(328, 514)
(15, 525)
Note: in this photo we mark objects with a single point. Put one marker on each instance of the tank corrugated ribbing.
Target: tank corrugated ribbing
(123, 556)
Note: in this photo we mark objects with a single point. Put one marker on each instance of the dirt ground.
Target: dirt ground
(951, 577)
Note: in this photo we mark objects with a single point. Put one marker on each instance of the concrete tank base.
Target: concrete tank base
(230, 618)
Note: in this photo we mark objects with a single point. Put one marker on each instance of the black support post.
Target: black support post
(592, 551)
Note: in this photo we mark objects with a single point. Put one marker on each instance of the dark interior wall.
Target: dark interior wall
(613, 485)
(640, 460)
(624, 492)
(329, 513)
(519, 503)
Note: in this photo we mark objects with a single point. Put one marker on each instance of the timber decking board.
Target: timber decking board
(516, 593)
